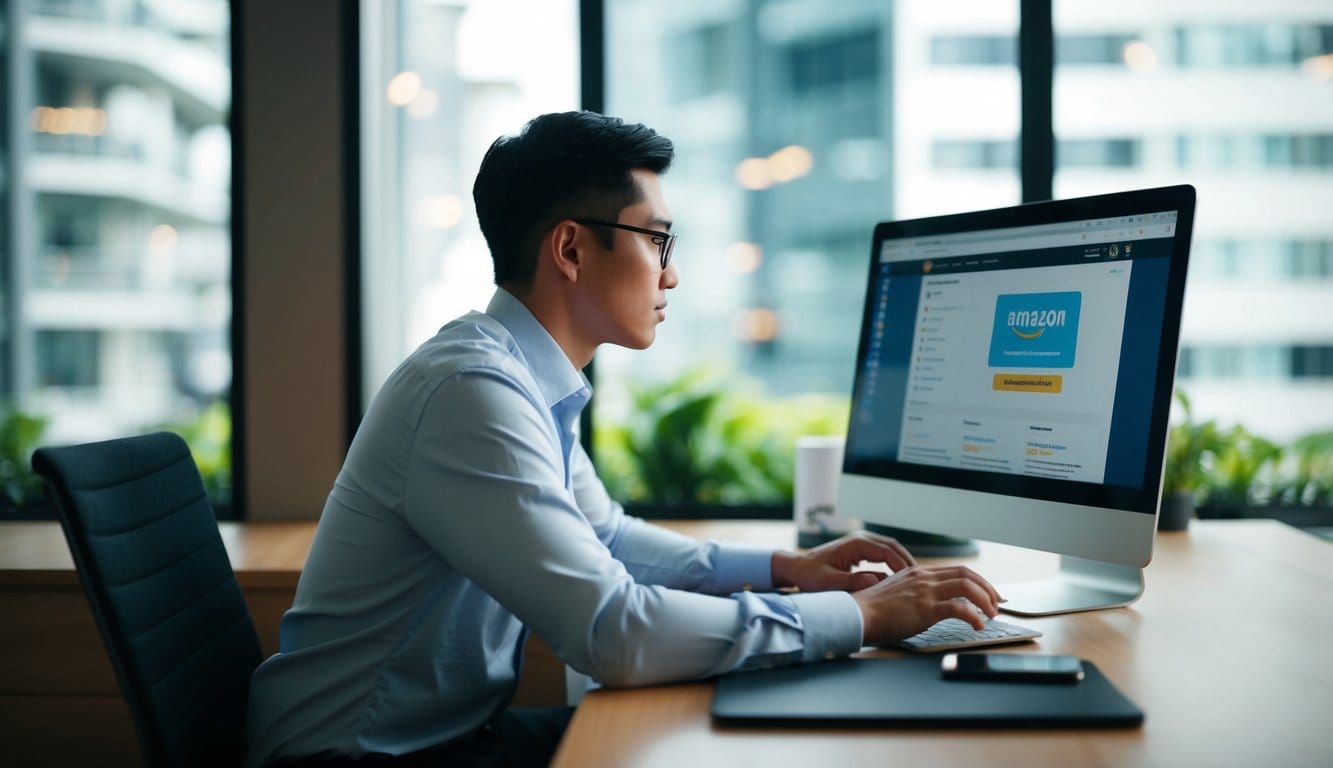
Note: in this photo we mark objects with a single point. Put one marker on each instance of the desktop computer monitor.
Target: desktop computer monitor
(1013, 384)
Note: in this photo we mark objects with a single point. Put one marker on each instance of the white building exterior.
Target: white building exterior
(120, 185)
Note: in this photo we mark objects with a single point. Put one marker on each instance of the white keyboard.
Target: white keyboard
(952, 634)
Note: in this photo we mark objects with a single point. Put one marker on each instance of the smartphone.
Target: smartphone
(1012, 667)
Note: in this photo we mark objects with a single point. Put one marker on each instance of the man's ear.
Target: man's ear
(564, 253)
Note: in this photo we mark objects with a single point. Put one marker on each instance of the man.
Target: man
(467, 513)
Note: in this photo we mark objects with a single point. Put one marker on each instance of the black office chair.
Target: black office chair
(163, 593)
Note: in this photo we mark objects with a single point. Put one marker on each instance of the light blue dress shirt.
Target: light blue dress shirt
(465, 515)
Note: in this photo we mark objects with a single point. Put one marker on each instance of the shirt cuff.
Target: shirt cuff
(831, 622)
(741, 568)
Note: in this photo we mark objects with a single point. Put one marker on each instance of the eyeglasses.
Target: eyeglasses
(665, 241)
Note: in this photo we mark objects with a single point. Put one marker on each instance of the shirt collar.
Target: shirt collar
(556, 376)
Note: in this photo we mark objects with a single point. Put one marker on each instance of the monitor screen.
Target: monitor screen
(1015, 370)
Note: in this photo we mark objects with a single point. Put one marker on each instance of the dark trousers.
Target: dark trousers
(520, 737)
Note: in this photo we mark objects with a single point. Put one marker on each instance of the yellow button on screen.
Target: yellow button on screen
(1027, 382)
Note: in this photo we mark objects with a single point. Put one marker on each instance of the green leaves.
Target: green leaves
(208, 434)
(1233, 467)
(209, 438)
(19, 435)
(1187, 443)
(1310, 463)
(710, 437)
(1243, 468)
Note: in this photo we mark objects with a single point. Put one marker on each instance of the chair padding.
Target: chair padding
(163, 593)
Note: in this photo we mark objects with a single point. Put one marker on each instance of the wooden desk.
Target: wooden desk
(1227, 653)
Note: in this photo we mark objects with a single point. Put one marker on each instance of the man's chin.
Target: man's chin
(638, 342)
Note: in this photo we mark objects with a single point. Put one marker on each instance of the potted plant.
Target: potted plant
(1234, 473)
(707, 438)
(1309, 479)
(1241, 473)
(1184, 479)
(20, 487)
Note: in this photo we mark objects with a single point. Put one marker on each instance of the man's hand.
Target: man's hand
(829, 566)
(893, 605)
(915, 598)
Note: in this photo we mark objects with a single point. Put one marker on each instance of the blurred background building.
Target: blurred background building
(800, 124)
(116, 246)
(440, 81)
(1236, 99)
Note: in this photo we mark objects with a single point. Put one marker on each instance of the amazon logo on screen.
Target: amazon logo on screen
(1035, 330)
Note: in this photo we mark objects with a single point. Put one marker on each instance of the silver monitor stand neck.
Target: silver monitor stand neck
(1079, 585)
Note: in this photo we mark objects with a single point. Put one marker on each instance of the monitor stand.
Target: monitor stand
(1080, 585)
(926, 544)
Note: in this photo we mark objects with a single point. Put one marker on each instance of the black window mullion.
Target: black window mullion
(592, 55)
(592, 96)
(353, 364)
(1036, 74)
(236, 128)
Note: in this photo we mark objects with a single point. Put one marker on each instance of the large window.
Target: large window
(798, 125)
(809, 123)
(1233, 98)
(115, 240)
(440, 82)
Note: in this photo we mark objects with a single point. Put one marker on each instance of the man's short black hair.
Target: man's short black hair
(563, 165)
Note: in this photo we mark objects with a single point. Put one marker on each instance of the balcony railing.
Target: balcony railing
(135, 14)
(88, 10)
(86, 145)
(203, 263)
(85, 268)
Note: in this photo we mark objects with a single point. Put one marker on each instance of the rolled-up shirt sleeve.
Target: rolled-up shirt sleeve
(616, 598)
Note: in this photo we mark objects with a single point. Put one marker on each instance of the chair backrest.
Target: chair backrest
(162, 590)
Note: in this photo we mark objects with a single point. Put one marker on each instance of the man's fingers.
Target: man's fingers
(848, 581)
(865, 579)
(874, 548)
(892, 545)
(963, 572)
(961, 609)
(960, 590)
